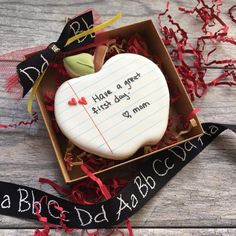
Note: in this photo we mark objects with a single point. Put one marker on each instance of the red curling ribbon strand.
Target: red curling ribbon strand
(129, 227)
(22, 123)
(49, 100)
(103, 188)
(49, 107)
(104, 191)
(230, 12)
(162, 14)
(190, 116)
(46, 227)
(192, 113)
(194, 72)
(59, 68)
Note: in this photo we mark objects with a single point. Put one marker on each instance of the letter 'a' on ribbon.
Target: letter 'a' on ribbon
(77, 33)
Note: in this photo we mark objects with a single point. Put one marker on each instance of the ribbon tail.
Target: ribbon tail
(33, 92)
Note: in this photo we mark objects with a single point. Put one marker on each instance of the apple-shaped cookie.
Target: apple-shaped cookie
(114, 112)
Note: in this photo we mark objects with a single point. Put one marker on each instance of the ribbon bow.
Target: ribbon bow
(78, 32)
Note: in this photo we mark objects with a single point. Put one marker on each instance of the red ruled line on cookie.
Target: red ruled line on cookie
(91, 119)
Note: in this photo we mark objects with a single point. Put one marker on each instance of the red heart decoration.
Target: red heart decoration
(82, 101)
(72, 102)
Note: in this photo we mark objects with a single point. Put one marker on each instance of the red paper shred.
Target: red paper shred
(129, 227)
(21, 123)
(190, 116)
(193, 75)
(81, 192)
(103, 188)
(46, 226)
(228, 72)
(162, 14)
(87, 192)
(230, 12)
(49, 100)
(68, 159)
(59, 69)
(217, 4)
(96, 163)
(62, 217)
(105, 193)
(94, 233)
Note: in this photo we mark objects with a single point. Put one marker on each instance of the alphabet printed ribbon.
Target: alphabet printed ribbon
(159, 168)
(78, 32)
(32, 68)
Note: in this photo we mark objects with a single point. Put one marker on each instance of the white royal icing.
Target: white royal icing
(127, 107)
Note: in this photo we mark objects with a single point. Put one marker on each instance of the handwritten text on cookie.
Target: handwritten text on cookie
(121, 93)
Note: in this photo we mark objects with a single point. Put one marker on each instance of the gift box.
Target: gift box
(182, 107)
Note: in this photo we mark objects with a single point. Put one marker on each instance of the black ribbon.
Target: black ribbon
(20, 201)
(31, 69)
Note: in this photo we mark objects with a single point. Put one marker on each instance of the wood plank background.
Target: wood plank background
(200, 200)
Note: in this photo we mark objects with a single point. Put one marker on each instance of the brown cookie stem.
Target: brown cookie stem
(99, 57)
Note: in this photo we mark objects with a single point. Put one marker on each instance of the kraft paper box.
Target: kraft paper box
(182, 107)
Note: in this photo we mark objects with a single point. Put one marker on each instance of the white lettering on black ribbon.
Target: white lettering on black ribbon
(35, 204)
(32, 73)
(166, 169)
(23, 204)
(31, 70)
(158, 170)
(134, 201)
(178, 152)
(84, 216)
(122, 206)
(103, 214)
(76, 28)
(6, 203)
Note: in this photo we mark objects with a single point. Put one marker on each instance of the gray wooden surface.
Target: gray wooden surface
(200, 200)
